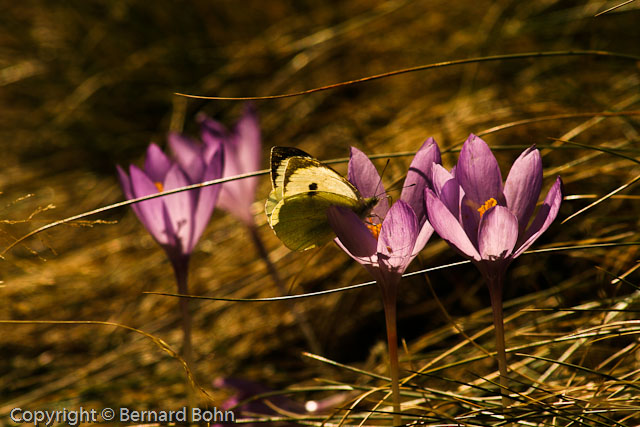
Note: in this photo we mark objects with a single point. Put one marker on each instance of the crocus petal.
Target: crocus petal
(248, 140)
(181, 208)
(237, 196)
(208, 196)
(150, 211)
(189, 156)
(125, 183)
(478, 172)
(398, 235)
(423, 237)
(212, 128)
(364, 176)
(241, 155)
(173, 246)
(248, 144)
(448, 227)
(396, 242)
(497, 233)
(522, 188)
(352, 235)
(156, 164)
(470, 218)
(446, 188)
(419, 176)
(545, 216)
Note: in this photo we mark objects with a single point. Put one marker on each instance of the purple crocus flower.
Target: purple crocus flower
(391, 238)
(488, 222)
(481, 218)
(242, 153)
(176, 221)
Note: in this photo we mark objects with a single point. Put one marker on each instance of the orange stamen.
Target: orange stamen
(159, 186)
(487, 205)
(374, 228)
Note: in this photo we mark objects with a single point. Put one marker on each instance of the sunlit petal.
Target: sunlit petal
(398, 237)
(545, 216)
(447, 189)
(419, 177)
(522, 188)
(497, 234)
(364, 176)
(448, 227)
(478, 172)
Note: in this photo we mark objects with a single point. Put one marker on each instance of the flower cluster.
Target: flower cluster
(177, 221)
(469, 207)
(487, 221)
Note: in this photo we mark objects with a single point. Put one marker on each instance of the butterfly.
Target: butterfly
(303, 190)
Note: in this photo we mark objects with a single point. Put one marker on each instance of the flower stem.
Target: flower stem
(299, 315)
(389, 302)
(495, 293)
(181, 270)
(182, 274)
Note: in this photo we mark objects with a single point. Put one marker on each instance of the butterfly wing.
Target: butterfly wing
(279, 159)
(308, 175)
(270, 205)
(300, 221)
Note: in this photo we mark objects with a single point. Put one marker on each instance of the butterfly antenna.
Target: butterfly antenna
(379, 186)
(399, 188)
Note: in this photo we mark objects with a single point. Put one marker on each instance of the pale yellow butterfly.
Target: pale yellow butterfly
(303, 190)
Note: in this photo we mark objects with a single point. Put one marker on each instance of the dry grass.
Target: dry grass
(86, 85)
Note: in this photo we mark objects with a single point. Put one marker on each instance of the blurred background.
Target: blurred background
(87, 85)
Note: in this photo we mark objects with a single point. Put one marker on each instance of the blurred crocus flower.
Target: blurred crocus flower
(176, 221)
(242, 152)
(242, 403)
(488, 222)
(391, 238)
(247, 401)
